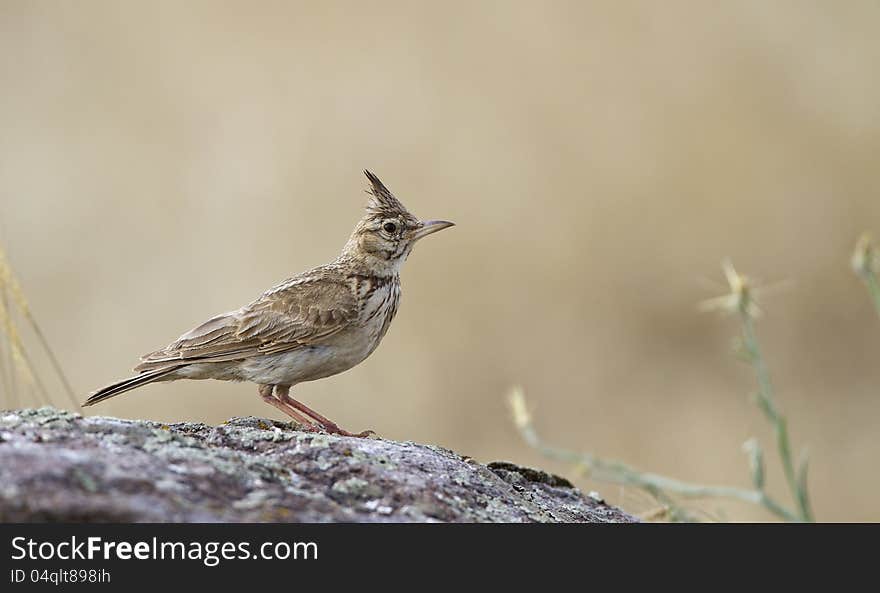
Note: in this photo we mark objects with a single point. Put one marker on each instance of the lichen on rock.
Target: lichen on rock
(60, 466)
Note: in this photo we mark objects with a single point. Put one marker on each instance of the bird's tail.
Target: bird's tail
(115, 389)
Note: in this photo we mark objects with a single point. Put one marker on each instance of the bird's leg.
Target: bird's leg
(266, 395)
(283, 393)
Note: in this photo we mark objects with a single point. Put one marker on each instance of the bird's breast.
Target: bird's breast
(379, 302)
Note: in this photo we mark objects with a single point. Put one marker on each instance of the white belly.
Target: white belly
(297, 366)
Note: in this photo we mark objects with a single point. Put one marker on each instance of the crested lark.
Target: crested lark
(314, 325)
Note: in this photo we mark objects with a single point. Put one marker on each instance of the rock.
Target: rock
(60, 466)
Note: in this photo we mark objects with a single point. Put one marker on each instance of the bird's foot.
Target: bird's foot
(332, 428)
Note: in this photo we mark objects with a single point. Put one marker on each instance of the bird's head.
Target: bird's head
(384, 237)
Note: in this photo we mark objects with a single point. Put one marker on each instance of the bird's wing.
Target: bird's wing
(294, 314)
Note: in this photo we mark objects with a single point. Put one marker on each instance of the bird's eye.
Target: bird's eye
(389, 227)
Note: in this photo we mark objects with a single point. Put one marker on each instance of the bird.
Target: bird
(311, 326)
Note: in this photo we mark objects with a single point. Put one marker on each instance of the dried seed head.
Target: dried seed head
(740, 299)
(517, 401)
(865, 259)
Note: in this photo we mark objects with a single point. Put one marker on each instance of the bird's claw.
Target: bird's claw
(334, 429)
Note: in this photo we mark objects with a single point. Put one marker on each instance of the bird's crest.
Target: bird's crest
(382, 202)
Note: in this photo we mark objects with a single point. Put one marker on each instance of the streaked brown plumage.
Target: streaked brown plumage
(313, 325)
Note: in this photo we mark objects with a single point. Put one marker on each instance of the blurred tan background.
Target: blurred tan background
(161, 162)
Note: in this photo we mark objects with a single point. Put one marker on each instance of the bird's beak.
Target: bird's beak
(431, 226)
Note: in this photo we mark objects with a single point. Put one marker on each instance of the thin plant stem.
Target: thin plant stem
(53, 359)
(12, 287)
(6, 364)
(767, 403)
(619, 473)
(740, 300)
(41, 388)
(873, 289)
(865, 263)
